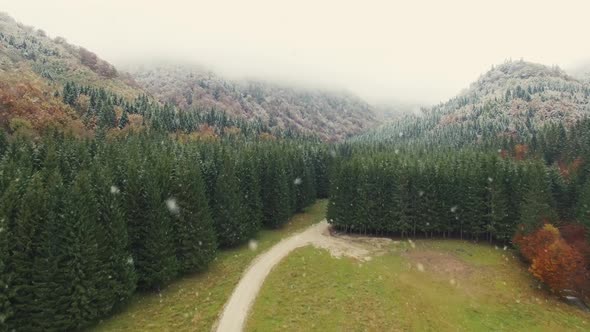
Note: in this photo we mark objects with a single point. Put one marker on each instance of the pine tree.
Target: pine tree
(136, 211)
(228, 211)
(6, 310)
(249, 183)
(193, 226)
(275, 192)
(79, 253)
(3, 143)
(124, 121)
(536, 207)
(156, 262)
(9, 205)
(26, 254)
(154, 255)
(583, 210)
(52, 290)
(499, 226)
(116, 279)
(107, 117)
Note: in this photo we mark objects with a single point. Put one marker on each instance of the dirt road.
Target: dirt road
(236, 309)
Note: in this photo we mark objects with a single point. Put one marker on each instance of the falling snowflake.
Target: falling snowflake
(253, 245)
(396, 151)
(172, 206)
(420, 267)
(297, 181)
(454, 209)
(114, 190)
(130, 260)
(412, 244)
(490, 180)
(401, 134)
(421, 193)
(200, 243)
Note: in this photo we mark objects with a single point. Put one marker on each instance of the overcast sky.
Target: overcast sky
(407, 50)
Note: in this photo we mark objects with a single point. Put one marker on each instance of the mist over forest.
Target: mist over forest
(308, 166)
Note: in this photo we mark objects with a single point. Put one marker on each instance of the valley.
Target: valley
(275, 187)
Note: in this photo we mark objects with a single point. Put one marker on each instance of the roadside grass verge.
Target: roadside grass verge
(192, 303)
(440, 285)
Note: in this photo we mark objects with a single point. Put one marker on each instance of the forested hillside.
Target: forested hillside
(327, 114)
(506, 161)
(112, 184)
(34, 69)
(54, 59)
(533, 196)
(513, 100)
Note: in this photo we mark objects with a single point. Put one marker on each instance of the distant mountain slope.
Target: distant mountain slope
(329, 115)
(33, 70)
(23, 47)
(513, 99)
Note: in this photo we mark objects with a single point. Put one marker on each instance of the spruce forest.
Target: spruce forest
(115, 187)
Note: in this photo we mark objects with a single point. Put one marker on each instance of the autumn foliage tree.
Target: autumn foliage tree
(555, 262)
(558, 266)
(530, 245)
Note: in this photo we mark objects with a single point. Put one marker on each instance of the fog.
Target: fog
(423, 51)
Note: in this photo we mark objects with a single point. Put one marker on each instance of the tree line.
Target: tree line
(467, 195)
(535, 198)
(86, 223)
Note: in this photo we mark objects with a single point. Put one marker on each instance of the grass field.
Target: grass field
(193, 302)
(433, 285)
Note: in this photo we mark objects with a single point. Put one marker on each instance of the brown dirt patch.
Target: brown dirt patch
(443, 264)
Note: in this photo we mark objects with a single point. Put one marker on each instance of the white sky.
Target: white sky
(407, 50)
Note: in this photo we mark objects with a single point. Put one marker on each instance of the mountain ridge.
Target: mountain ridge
(515, 98)
(327, 113)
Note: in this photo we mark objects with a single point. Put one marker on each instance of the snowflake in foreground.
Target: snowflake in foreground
(172, 206)
(253, 245)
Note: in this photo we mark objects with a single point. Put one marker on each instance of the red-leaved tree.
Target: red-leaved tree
(558, 266)
(530, 245)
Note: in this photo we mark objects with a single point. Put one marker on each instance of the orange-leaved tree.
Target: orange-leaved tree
(530, 245)
(558, 266)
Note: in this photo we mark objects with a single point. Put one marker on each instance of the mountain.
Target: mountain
(514, 99)
(34, 69)
(327, 114)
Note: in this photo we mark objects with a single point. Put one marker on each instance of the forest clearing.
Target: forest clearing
(188, 166)
(423, 285)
